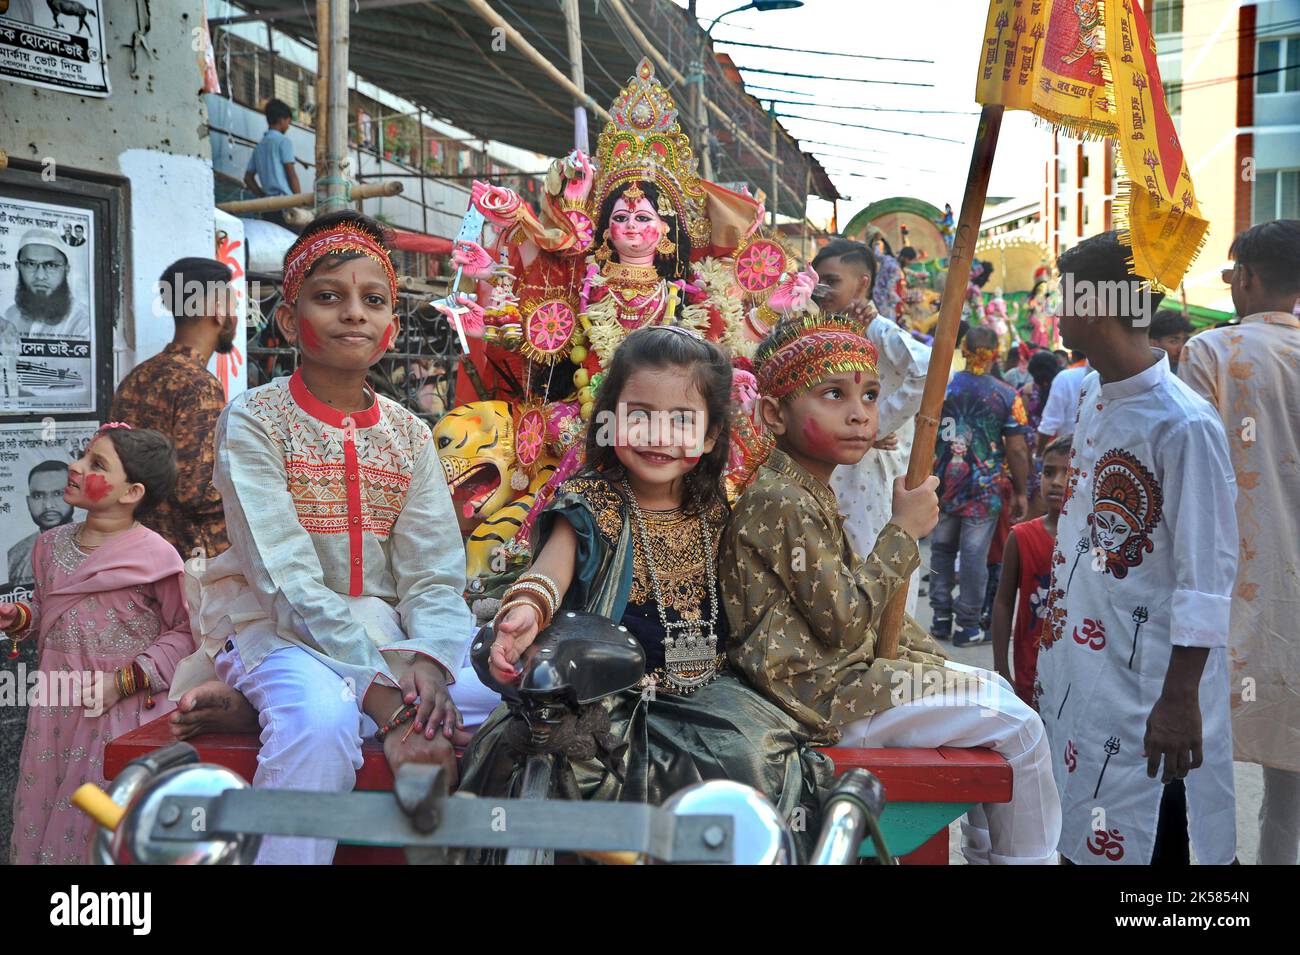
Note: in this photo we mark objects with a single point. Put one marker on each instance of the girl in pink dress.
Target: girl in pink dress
(110, 617)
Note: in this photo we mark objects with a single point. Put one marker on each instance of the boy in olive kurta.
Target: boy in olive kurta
(803, 608)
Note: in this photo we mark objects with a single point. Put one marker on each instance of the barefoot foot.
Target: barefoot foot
(213, 707)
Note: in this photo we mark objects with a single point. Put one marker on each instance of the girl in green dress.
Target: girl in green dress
(634, 537)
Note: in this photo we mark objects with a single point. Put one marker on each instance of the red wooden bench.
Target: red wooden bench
(925, 788)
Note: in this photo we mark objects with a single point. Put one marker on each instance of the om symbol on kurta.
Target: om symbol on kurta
(1094, 634)
(1109, 844)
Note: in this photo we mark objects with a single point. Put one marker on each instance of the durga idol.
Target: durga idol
(636, 239)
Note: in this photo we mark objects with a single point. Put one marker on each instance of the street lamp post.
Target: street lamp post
(698, 108)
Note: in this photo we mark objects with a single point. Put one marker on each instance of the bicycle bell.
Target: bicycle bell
(761, 836)
(133, 842)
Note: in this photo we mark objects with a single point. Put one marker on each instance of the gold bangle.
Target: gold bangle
(525, 587)
(542, 620)
(534, 577)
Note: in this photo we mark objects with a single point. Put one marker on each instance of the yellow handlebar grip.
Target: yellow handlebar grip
(94, 802)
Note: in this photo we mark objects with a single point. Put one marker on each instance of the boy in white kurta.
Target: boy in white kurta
(338, 606)
(1132, 667)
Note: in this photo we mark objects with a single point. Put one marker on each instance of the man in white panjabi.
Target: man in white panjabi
(1132, 673)
(1251, 373)
(865, 490)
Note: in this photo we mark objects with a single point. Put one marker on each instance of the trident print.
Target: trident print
(1081, 548)
(1112, 747)
(1139, 618)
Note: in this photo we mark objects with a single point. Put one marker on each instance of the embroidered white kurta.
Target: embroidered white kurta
(866, 490)
(1251, 373)
(343, 540)
(1145, 558)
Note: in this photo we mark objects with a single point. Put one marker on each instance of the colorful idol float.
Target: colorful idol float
(633, 239)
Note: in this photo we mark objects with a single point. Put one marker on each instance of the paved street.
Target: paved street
(1249, 778)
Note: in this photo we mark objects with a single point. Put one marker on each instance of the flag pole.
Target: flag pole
(945, 340)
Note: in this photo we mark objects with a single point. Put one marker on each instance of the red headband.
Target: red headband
(345, 237)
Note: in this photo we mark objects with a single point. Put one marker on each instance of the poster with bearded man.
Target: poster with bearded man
(47, 311)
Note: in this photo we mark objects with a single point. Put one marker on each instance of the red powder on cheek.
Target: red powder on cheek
(308, 335)
(814, 437)
(383, 345)
(96, 487)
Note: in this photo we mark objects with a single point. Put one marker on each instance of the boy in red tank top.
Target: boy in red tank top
(1026, 577)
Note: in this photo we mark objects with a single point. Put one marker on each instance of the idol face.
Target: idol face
(634, 230)
(1112, 530)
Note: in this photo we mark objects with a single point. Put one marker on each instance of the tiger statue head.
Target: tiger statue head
(476, 444)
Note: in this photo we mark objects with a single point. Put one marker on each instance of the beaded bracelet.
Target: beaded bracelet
(404, 715)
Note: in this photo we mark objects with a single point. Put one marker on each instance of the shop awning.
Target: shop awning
(443, 57)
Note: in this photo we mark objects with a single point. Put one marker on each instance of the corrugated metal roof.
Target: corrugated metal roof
(442, 56)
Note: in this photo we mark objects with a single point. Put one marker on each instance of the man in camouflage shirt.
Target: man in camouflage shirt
(175, 393)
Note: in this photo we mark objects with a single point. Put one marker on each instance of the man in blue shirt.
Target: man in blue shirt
(270, 170)
(983, 427)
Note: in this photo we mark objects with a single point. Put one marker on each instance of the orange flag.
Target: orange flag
(1088, 67)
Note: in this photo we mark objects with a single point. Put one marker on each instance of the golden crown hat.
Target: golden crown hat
(644, 142)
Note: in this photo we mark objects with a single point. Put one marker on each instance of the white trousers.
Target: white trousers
(312, 728)
(1024, 831)
(1279, 818)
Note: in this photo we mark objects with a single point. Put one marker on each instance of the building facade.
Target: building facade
(1231, 76)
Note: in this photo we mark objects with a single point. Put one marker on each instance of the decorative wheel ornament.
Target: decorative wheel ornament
(760, 263)
(530, 436)
(548, 331)
(583, 228)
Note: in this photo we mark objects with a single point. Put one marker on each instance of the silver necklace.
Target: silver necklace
(690, 660)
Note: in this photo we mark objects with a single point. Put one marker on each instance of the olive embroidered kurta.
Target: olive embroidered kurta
(1251, 374)
(803, 607)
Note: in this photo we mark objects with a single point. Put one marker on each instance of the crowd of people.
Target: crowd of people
(1118, 521)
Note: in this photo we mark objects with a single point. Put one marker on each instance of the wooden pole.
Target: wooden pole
(774, 199)
(268, 203)
(336, 186)
(485, 11)
(573, 29)
(945, 341)
(321, 117)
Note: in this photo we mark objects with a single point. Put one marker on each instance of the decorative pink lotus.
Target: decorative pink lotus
(760, 266)
(550, 326)
(530, 436)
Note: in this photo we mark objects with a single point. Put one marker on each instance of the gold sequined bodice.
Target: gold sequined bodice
(679, 558)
